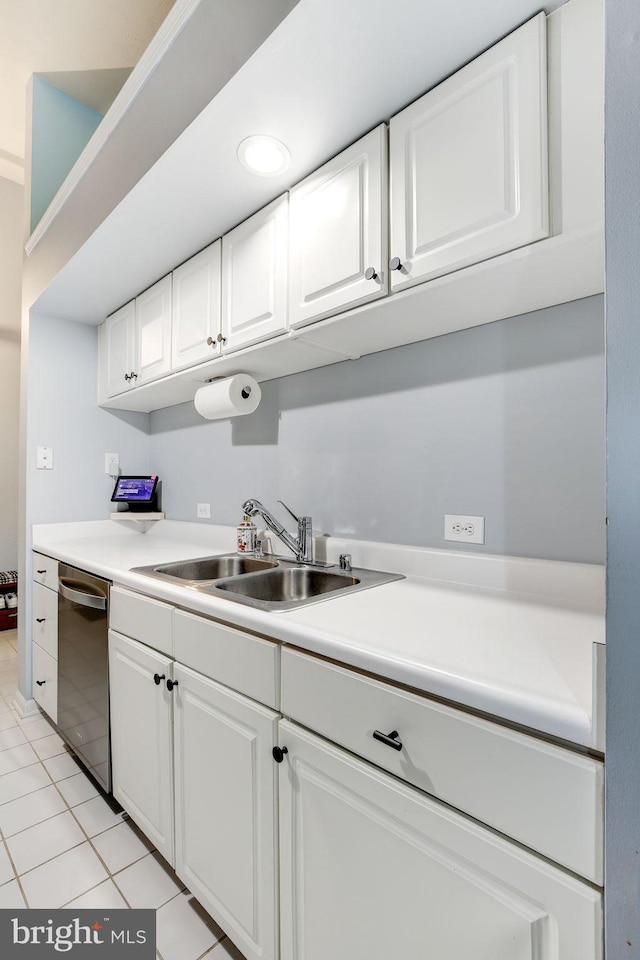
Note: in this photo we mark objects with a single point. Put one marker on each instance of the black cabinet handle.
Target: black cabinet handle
(157, 678)
(41, 571)
(41, 683)
(279, 753)
(40, 619)
(171, 684)
(391, 739)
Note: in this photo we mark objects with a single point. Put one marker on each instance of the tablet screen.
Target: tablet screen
(134, 489)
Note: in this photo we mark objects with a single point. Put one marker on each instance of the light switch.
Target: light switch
(44, 458)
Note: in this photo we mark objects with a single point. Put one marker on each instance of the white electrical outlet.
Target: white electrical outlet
(465, 529)
(112, 464)
(203, 511)
(44, 458)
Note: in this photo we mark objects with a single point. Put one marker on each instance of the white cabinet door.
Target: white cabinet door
(45, 681)
(338, 232)
(469, 162)
(153, 324)
(254, 277)
(117, 350)
(226, 809)
(372, 868)
(45, 619)
(141, 738)
(196, 308)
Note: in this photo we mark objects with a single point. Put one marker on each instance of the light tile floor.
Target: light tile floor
(61, 844)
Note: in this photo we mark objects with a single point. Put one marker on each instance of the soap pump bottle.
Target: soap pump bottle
(246, 535)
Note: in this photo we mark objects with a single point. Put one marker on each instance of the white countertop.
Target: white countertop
(508, 636)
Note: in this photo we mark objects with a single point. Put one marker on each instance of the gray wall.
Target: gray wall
(504, 421)
(63, 414)
(11, 195)
(622, 198)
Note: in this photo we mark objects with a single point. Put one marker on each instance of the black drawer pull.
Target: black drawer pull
(171, 684)
(157, 678)
(40, 619)
(279, 753)
(41, 571)
(41, 683)
(390, 739)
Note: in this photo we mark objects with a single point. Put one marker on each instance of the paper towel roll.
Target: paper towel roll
(230, 397)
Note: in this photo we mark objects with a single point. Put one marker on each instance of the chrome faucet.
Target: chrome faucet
(302, 547)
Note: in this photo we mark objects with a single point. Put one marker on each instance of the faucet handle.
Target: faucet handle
(297, 519)
(345, 562)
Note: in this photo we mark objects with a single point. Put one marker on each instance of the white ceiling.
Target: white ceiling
(85, 47)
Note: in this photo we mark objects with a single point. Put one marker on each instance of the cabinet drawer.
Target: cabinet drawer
(45, 681)
(236, 659)
(45, 619)
(544, 796)
(141, 618)
(45, 571)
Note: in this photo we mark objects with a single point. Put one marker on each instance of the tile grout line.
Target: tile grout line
(13, 866)
(70, 809)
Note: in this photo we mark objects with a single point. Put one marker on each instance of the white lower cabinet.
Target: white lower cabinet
(344, 847)
(141, 738)
(44, 634)
(210, 748)
(45, 681)
(370, 867)
(225, 781)
(45, 619)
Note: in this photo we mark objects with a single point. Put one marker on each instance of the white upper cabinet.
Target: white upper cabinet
(490, 184)
(254, 277)
(338, 232)
(469, 162)
(153, 322)
(117, 351)
(196, 308)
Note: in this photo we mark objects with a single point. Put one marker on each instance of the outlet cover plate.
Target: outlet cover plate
(112, 464)
(44, 458)
(203, 511)
(464, 529)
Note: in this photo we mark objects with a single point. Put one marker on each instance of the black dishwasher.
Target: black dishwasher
(83, 669)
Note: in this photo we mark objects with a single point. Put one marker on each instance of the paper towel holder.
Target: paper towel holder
(245, 392)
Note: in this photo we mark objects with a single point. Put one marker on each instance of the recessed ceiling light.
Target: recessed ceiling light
(264, 155)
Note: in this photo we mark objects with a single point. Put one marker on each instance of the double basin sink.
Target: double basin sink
(267, 584)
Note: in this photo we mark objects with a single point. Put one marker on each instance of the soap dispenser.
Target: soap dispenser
(246, 535)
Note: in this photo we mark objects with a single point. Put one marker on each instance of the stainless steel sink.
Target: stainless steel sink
(273, 584)
(295, 585)
(207, 568)
(292, 584)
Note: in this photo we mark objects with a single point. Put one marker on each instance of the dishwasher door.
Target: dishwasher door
(83, 669)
